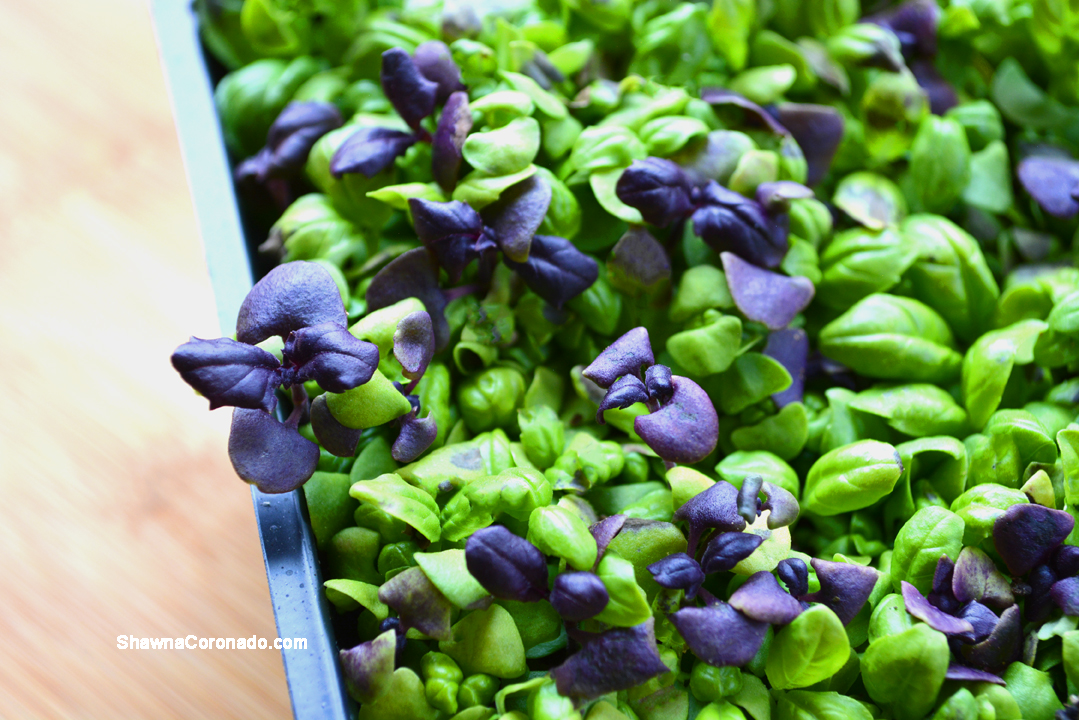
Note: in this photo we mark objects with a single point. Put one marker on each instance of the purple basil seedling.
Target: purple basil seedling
(682, 426)
(298, 302)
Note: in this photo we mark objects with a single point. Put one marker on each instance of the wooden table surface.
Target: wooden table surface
(120, 514)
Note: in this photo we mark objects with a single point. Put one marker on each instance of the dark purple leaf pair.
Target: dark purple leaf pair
(299, 302)
(765, 296)
(983, 641)
(330, 355)
(683, 426)
(413, 85)
(658, 188)
(435, 63)
(1053, 182)
(795, 575)
(715, 508)
(370, 150)
(291, 137)
(506, 565)
(556, 270)
(453, 231)
(611, 661)
(722, 218)
(550, 266)
(998, 649)
(729, 222)
(818, 129)
(631, 354)
(678, 571)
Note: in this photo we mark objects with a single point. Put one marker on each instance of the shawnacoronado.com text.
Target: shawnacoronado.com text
(193, 642)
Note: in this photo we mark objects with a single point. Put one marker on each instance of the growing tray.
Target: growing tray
(300, 608)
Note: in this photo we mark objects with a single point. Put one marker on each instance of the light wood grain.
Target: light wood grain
(119, 513)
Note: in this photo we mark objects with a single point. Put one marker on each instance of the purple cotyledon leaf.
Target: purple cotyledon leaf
(411, 94)
(370, 150)
(414, 343)
(761, 598)
(612, 661)
(605, 531)
(719, 634)
(686, 428)
(626, 391)
(729, 222)
(658, 188)
(506, 565)
(334, 437)
(415, 437)
(844, 587)
(412, 274)
(765, 296)
(638, 263)
(1026, 535)
(454, 124)
(227, 372)
(435, 62)
(419, 603)
(818, 129)
(577, 596)
(331, 356)
(270, 454)
(290, 297)
(727, 549)
(517, 215)
(628, 355)
(1053, 182)
(453, 231)
(556, 270)
(368, 667)
(920, 608)
(790, 348)
(678, 571)
(716, 507)
(290, 139)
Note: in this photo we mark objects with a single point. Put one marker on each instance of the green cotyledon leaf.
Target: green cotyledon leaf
(813, 647)
(917, 410)
(905, 671)
(391, 494)
(989, 362)
(929, 534)
(851, 477)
